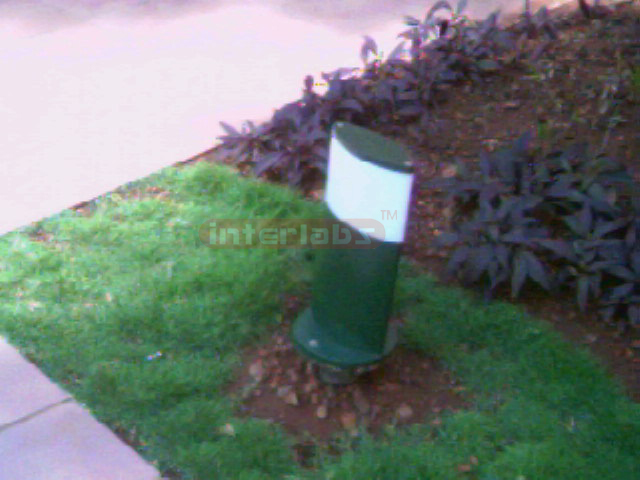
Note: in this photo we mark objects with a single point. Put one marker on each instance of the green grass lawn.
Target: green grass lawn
(129, 311)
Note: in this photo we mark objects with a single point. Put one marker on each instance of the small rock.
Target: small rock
(317, 194)
(360, 401)
(389, 387)
(375, 412)
(322, 411)
(275, 381)
(288, 394)
(349, 420)
(228, 429)
(309, 368)
(450, 171)
(490, 143)
(513, 105)
(256, 370)
(404, 412)
(284, 390)
(291, 399)
(310, 386)
(293, 375)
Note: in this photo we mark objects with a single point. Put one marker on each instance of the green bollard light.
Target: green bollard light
(346, 330)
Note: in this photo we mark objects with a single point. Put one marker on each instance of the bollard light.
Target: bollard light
(346, 329)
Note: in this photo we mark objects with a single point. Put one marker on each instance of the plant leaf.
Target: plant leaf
(441, 4)
(582, 292)
(522, 144)
(585, 217)
(607, 312)
(502, 254)
(488, 65)
(519, 274)
(479, 261)
(447, 239)
(229, 129)
(607, 227)
(368, 46)
(576, 226)
(633, 313)
(458, 257)
(536, 270)
(489, 23)
(351, 104)
(410, 111)
(485, 164)
(620, 292)
(411, 21)
(635, 262)
(397, 52)
(267, 162)
(461, 6)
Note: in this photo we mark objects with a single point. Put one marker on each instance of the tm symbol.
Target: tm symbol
(389, 215)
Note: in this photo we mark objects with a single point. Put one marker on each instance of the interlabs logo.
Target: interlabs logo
(292, 233)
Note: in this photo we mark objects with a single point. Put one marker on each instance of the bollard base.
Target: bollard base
(336, 376)
(319, 345)
(331, 375)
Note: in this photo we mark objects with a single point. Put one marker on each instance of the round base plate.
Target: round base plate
(313, 341)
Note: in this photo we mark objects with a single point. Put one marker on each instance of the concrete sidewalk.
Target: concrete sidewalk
(46, 435)
(86, 108)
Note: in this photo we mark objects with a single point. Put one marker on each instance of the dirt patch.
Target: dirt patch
(278, 384)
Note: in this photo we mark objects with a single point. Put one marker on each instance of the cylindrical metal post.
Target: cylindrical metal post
(347, 326)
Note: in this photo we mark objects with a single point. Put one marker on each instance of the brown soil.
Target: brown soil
(277, 384)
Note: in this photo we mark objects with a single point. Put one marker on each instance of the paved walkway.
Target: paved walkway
(46, 435)
(88, 107)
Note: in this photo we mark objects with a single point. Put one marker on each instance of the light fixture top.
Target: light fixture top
(372, 147)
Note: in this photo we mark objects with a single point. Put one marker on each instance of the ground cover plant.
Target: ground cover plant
(569, 218)
(387, 93)
(128, 310)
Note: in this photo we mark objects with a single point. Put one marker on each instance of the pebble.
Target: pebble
(256, 370)
(322, 412)
(404, 412)
(349, 420)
